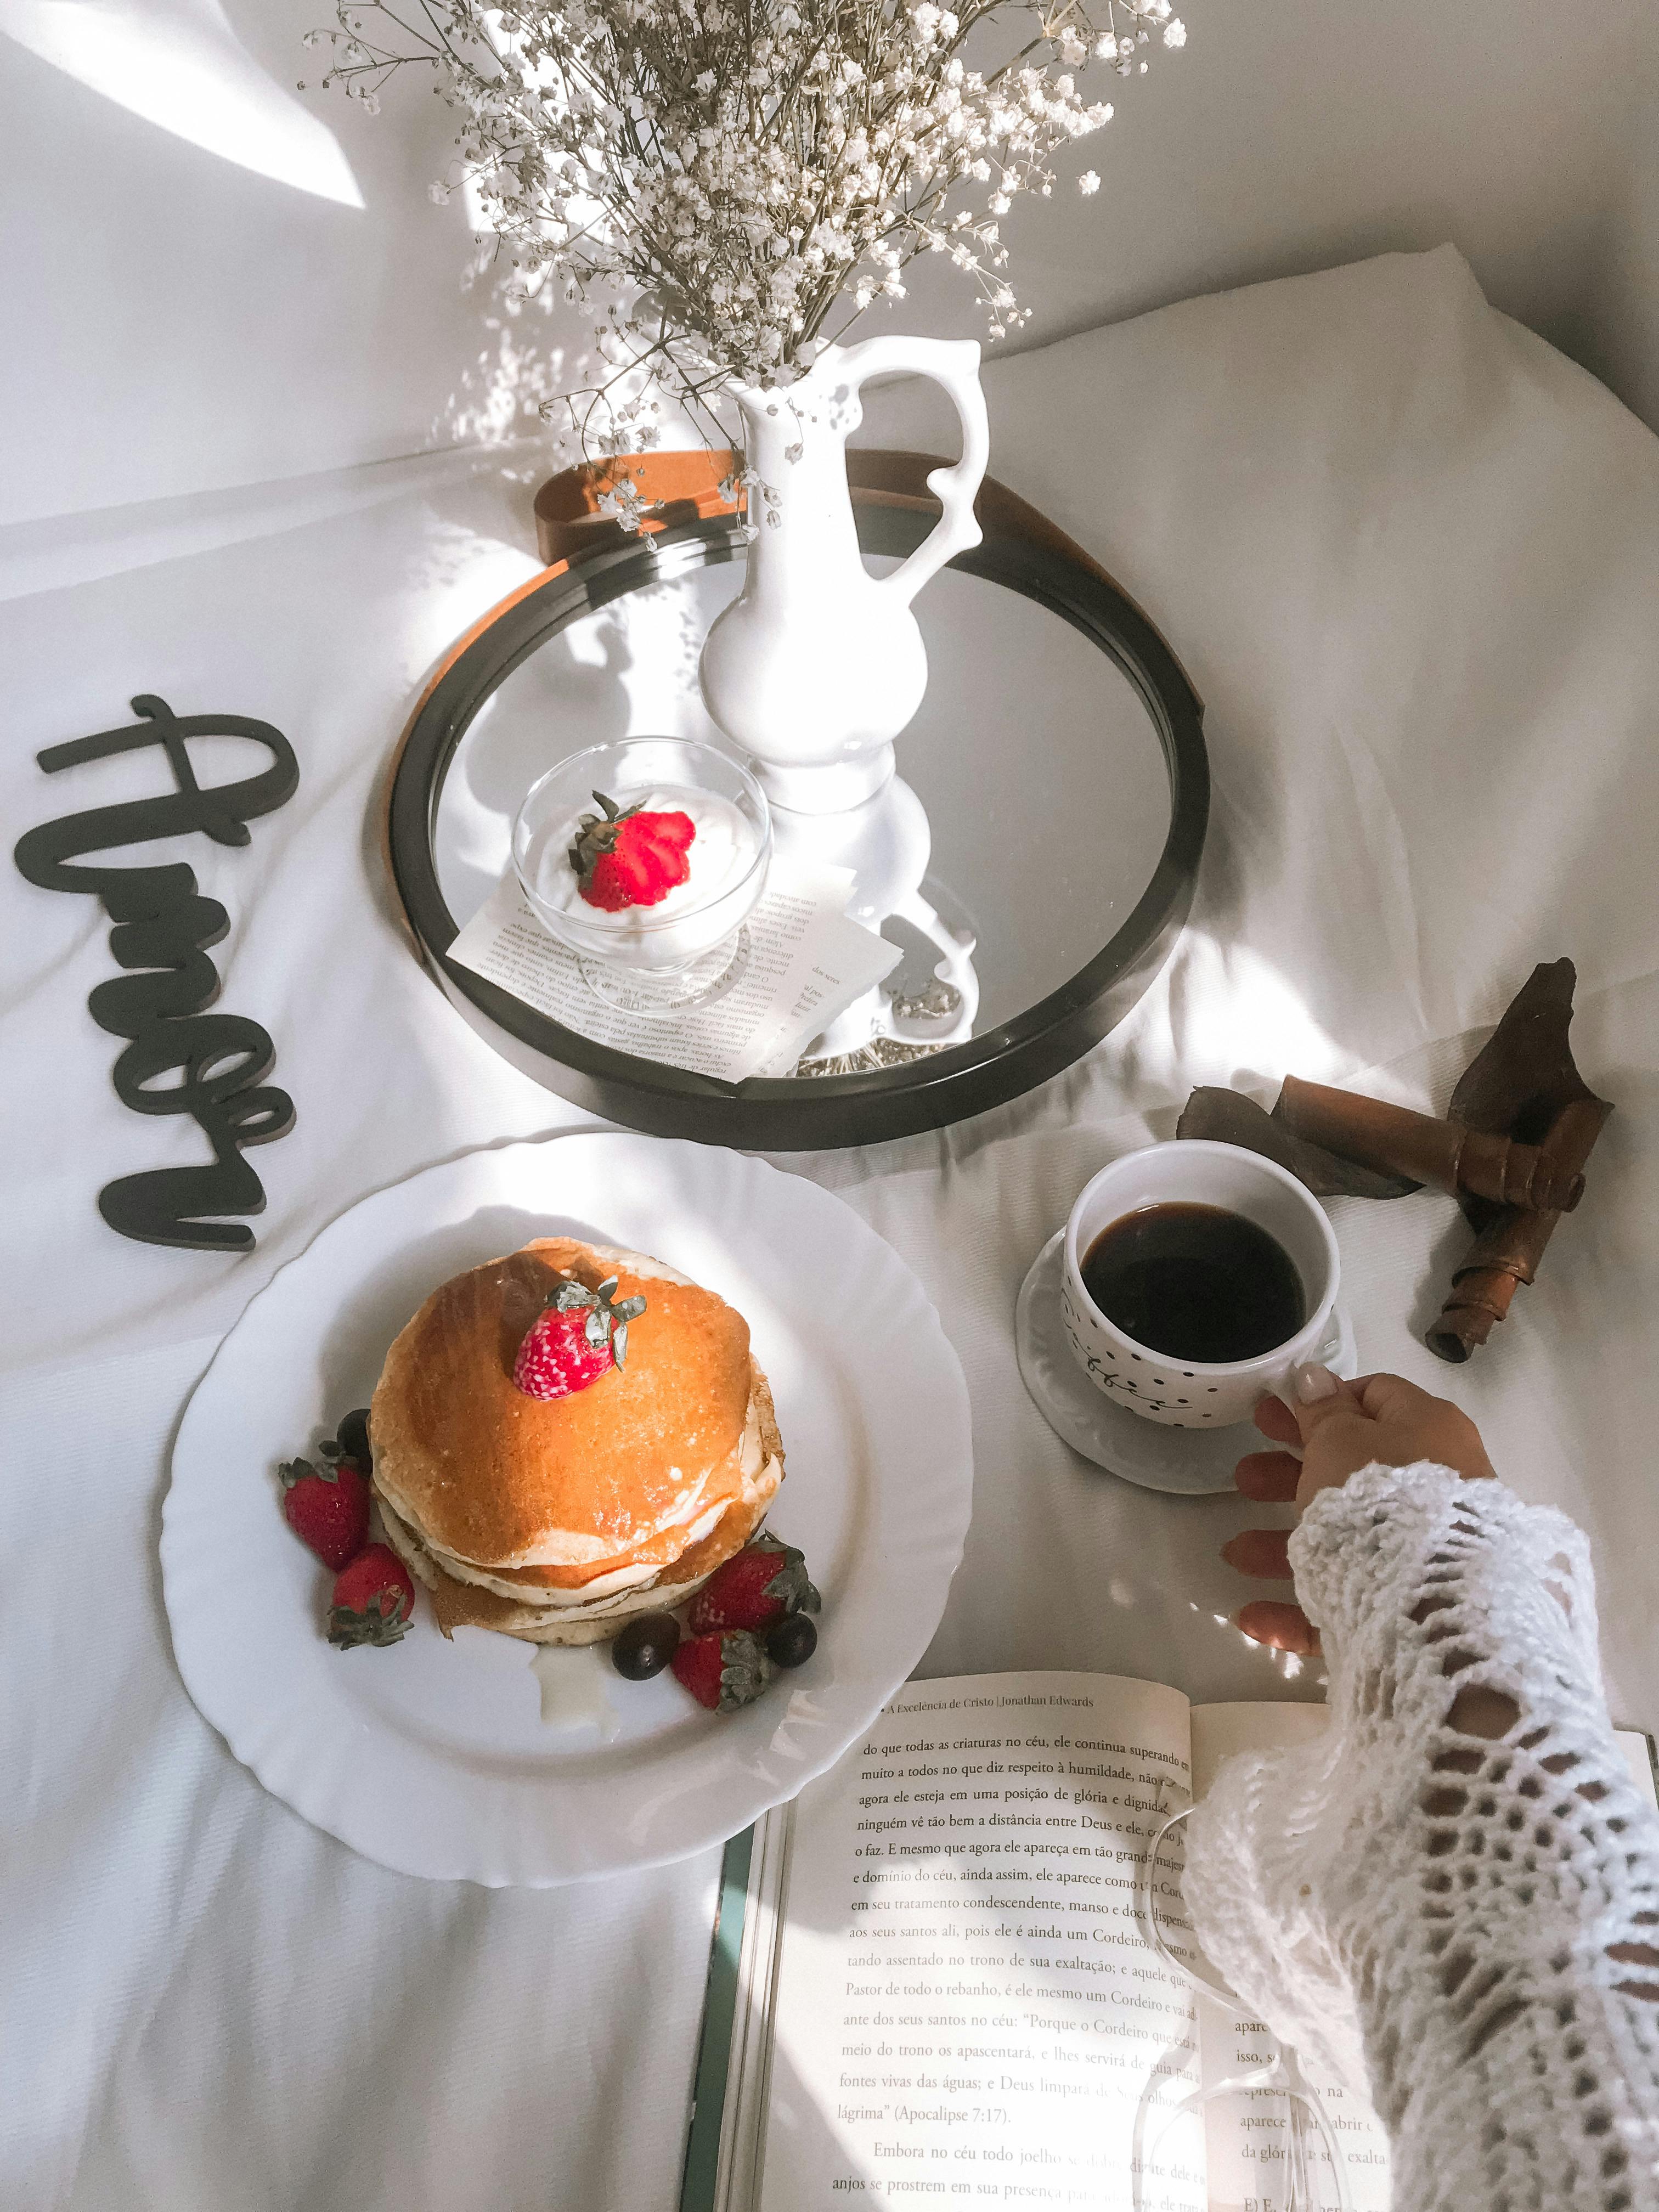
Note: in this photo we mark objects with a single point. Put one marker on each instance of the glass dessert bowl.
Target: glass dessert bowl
(645, 858)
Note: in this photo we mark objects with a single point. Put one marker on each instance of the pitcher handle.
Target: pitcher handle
(954, 364)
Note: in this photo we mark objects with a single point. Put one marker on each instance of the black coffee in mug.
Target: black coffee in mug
(1196, 1282)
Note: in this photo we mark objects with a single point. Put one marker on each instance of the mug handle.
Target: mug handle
(1328, 1349)
(953, 363)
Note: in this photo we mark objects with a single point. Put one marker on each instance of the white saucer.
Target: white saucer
(1190, 1462)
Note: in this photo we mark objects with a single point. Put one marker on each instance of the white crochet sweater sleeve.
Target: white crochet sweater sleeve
(1462, 1926)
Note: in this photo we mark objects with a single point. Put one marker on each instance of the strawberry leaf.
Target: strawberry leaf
(603, 1317)
(347, 1629)
(745, 1670)
(790, 1585)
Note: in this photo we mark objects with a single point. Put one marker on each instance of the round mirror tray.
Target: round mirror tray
(1050, 803)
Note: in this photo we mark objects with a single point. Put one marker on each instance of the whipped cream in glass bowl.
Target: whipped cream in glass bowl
(681, 944)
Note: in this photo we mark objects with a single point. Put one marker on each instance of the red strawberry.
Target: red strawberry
(631, 855)
(373, 1598)
(327, 1506)
(723, 1672)
(759, 1585)
(576, 1340)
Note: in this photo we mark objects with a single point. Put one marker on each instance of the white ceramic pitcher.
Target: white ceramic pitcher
(817, 666)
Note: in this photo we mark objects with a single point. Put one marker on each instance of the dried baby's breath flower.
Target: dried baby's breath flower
(727, 184)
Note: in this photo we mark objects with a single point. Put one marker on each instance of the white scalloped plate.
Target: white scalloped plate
(432, 1757)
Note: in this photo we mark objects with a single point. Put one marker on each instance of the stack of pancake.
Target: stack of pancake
(558, 1519)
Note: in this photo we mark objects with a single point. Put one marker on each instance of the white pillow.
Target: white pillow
(1409, 556)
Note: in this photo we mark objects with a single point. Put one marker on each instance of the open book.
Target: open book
(933, 1982)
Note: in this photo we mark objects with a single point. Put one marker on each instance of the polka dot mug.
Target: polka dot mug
(1192, 1394)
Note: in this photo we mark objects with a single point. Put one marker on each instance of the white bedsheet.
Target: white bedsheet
(1411, 558)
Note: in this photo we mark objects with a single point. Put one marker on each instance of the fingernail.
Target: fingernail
(1312, 1384)
(1284, 1627)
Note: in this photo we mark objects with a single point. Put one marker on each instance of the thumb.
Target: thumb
(1339, 1433)
(1317, 1398)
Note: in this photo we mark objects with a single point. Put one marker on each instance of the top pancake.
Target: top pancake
(503, 1479)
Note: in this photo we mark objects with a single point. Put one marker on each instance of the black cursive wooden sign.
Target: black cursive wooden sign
(163, 927)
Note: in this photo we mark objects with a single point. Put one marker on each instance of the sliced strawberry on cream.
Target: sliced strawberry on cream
(631, 855)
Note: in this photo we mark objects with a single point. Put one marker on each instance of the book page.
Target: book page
(806, 964)
(967, 2013)
(1247, 2130)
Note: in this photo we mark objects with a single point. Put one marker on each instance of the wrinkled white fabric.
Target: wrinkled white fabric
(1464, 1925)
(1411, 557)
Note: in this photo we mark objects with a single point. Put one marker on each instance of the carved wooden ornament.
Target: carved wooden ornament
(1513, 1149)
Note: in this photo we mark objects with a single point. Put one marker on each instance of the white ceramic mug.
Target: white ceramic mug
(1191, 1393)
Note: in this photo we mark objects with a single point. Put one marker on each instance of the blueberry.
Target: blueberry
(793, 1642)
(645, 1647)
(353, 1435)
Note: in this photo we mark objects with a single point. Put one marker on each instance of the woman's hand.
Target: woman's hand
(1341, 1427)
